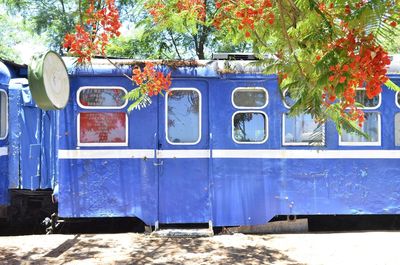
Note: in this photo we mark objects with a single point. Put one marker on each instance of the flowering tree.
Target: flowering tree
(99, 25)
(322, 51)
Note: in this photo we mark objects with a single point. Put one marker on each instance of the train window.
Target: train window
(183, 116)
(398, 99)
(361, 97)
(249, 127)
(250, 97)
(371, 126)
(3, 115)
(102, 129)
(397, 129)
(288, 101)
(302, 130)
(102, 97)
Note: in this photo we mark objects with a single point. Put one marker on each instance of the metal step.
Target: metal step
(276, 227)
(176, 232)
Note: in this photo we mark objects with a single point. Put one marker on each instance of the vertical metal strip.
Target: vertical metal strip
(210, 160)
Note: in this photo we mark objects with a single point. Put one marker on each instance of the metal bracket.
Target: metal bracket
(159, 164)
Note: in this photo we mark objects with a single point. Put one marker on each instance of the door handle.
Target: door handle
(158, 164)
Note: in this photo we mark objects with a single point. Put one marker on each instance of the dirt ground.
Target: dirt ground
(130, 248)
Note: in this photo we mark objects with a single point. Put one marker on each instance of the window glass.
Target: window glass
(102, 97)
(398, 99)
(302, 130)
(251, 97)
(361, 97)
(288, 100)
(3, 114)
(397, 129)
(183, 116)
(371, 126)
(103, 128)
(249, 127)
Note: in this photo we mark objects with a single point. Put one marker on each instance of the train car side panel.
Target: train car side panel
(98, 180)
(4, 83)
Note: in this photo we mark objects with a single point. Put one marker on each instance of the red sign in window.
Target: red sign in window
(102, 127)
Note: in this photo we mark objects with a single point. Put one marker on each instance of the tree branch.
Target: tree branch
(80, 12)
(174, 43)
(117, 66)
(285, 33)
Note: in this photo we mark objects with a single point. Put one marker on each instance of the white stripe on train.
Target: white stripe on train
(228, 153)
(3, 150)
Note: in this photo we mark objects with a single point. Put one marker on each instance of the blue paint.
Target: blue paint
(32, 141)
(225, 190)
(5, 76)
(169, 189)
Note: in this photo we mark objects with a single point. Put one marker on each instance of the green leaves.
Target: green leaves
(138, 99)
(392, 85)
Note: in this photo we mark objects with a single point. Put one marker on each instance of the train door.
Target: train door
(183, 154)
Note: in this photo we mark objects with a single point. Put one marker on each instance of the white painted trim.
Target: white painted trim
(78, 127)
(198, 153)
(251, 111)
(251, 89)
(100, 87)
(166, 115)
(307, 154)
(5, 92)
(224, 153)
(3, 150)
(105, 153)
(395, 99)
(378, 143)
(300, 143)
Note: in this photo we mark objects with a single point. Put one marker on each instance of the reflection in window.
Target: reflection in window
(361, 97)
(371, 127)
(249, 127)
(183, 117)
(102, 97)
(250, 97)
(397, 129)
(102, 128)
(3, 114)
(288, 100)
(302, 130)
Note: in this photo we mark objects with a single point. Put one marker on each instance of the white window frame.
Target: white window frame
(250, 111)
(250, 88)
(100, 107)
(395, 99)
(200, 114)
(6, 134)
(370, 108)
(378, 143)
(298, 143)
(284, 101)
(284, 143)
(101, 144)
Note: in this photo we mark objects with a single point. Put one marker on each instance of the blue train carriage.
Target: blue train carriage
(5, 77)
(220, 149)
(28, 151)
